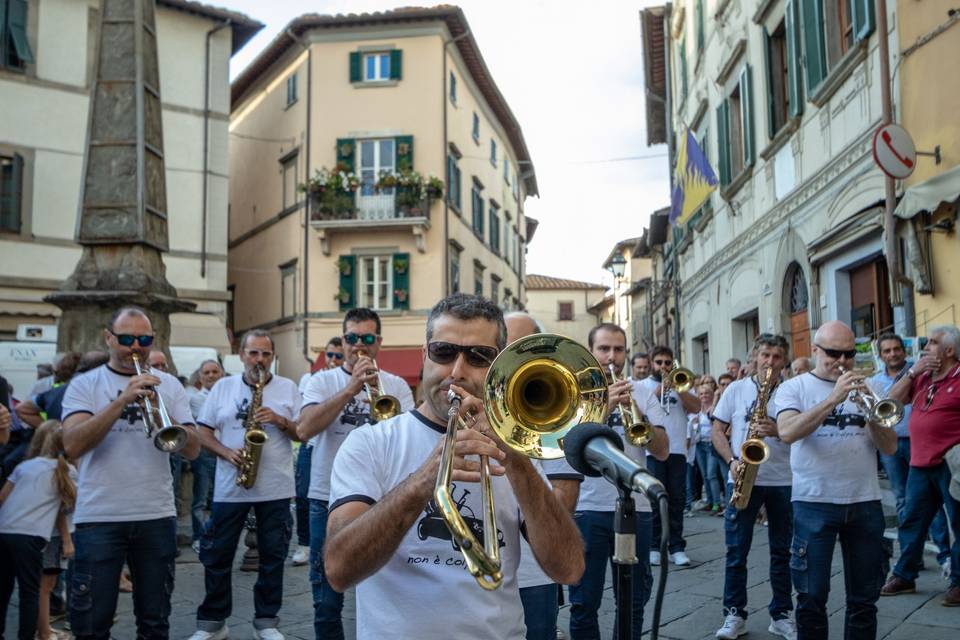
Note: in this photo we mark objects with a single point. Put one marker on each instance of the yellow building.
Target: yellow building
(929, 34)
(564, 306)
(372, 95)
(629, 288)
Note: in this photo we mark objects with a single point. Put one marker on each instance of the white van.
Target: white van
(18, 364)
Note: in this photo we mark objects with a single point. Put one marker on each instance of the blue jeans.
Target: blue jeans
(692, 473)
(738, 527)
(540, 610)
(218, 546)
(673, 474)
(204, 471)
(149, 548)
(927, 491)
(327, 603)
(816, 527)
(176, 470)
(710, 470)
(302, 474)
(21, 560)
(596, 529)
(897, 467)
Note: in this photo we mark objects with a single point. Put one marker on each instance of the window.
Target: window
(454, 268)
(838, 26)
(506, 169)
(478, 270)
(376, 282)
(564, 311)
(453, 182)
(376, 66)
(507, 255)
(701, 352)
(842, 24)
(477, 208)
(291, 89)
(494, 288)
(15, 50)
(494, 227)
(288, 289)
(779, 78)
(476, 128)
(516, 188)
(735, 129)
(11, 191)
(507, 298)
(376, 157)
(289, 171)
(453, 89)
(493, 152)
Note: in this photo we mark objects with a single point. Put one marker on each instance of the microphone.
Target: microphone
(595, 450)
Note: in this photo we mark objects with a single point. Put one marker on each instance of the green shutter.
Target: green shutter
(356, 72)
(396, 64)
(3, 19)
(723, 144)
(347, 293)
(863, 19)
(792, 27)
(404, 151)
(18, 29)
(459, 183)
(771, 83)
(401, 281)
(701, 40)
(746, 112)
(683, 70)
(814, 50)
(11, 195)
(347, 152)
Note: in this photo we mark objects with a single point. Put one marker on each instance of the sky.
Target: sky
(572, 73)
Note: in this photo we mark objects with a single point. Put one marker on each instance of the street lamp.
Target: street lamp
(617, 266)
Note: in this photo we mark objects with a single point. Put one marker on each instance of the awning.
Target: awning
(405, 363)
(930, 194)
(198, 330)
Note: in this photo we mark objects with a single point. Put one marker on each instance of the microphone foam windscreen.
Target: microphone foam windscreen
(575, 445)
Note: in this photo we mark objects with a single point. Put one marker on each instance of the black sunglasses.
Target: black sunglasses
(127, 340)
(447, 352)
(365, 338)
(837, 353)
(333, 355)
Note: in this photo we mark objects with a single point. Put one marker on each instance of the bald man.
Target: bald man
(836, 494)
(800, 365)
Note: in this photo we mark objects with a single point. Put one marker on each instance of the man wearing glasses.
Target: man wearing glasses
(386, 535)
(835, 492)
(933, 386)
(334, 404)
(125, 509)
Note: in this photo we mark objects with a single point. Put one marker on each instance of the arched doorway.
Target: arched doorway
(797, 300)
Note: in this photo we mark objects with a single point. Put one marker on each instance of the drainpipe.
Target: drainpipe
(446, 150)
(206, 146)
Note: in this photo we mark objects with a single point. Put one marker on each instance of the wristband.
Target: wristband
(911, 373)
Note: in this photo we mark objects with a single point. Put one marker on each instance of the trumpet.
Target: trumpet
(536, 390)
(883, 412)
(382, 406)
(636, 427)
(679, 379)
(168, 436)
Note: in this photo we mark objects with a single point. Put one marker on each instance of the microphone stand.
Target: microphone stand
(624, 558)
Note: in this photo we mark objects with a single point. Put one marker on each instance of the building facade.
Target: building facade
(564, 306)
(357, 109)
(629, 289)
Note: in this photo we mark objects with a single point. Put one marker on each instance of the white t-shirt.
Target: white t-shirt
(31, 508)
(424, 590)
(674, 422)
(124, 478)
(323, 386)
(224, 412)
(598, 493)
(837, 463)
(304, 381)
(197, 400)
(735, 408)
(692, 436)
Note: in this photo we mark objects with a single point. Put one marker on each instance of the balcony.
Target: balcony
(374, 212)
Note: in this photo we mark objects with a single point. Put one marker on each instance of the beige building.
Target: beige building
(564, 306)
(46, 70)
(373, 96)
(628, 288)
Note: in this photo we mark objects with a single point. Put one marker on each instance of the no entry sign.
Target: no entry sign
(893, 151)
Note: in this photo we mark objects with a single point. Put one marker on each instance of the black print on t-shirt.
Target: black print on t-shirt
(615, 419)
(242, 410)
(132, 413)
(841, 420)
(432, 524)
(356, 413)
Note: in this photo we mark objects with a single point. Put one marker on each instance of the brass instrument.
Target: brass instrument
(679, 379)
(754, 451)
(168, 436)
(883, 412)
(382, 406)
(254, 437)
(536, 390)
(636, 427)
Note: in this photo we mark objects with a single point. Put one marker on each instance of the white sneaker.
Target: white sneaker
(271, 633)
(196, 547)
(301, 556)
(220, 634)
(733, 627)
(945, 569)
(785, 627)
(680, 559)
(655, 558)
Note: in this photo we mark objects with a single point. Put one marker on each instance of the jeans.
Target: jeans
(693, 480)
(596, 529)
(540, 610)
(673, 474)
(204, 472)
(927, 490)
(710, 470)
(176, 471)
(303, 486)
(816, 527)
(218, 546)
(897, 466)
(738, 527)
(148, 547)
(327, 603)
(21, 561)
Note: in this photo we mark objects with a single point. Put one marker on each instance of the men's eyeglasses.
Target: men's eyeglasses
(475, 355)
(127, 339)
(333, 355)
(256, 353)
(837, 353)
(366, 338)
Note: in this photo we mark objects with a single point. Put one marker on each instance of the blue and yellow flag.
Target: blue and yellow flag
(694, 180)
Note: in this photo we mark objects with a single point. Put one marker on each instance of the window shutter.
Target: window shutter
(14, 198)
(683, 69)
(771, 82)
(723, 144)
(356, 74)
(746, 111)
(459, 184)
(401, 281)
(18, 29)
(864, 21)
(3, 19)
(346, 152)
(404, 151)
(792, 27)
(347, 294)
(396, 64)
(814, 51)
(701, 40)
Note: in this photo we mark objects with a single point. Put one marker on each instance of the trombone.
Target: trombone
(168, 436)
(382, 406)
(536, 390)
(884, 412)
(679, 379)
(636, 427)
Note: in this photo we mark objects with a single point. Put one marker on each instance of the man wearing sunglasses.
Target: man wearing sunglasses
(933, 386)
(334, 404)
(125, 509)
(835, 491)
(386, 535)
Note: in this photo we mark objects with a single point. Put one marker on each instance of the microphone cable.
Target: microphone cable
(664, 564)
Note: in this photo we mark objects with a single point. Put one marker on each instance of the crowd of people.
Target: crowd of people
(88, 501)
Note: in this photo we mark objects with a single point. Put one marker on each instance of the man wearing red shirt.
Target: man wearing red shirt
(933, 385)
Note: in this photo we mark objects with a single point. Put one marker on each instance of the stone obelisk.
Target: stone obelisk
(122, 217)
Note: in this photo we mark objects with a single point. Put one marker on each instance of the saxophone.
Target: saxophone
(754, 451)
(254, 438)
